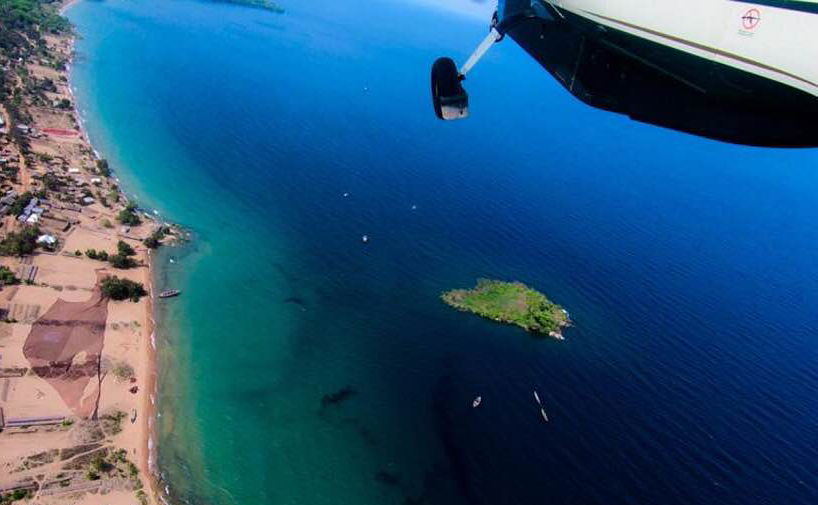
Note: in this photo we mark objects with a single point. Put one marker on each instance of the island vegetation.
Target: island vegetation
(512, 303)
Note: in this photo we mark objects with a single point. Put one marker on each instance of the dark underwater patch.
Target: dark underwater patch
(294, 300)
(387, 478)
(338, 397)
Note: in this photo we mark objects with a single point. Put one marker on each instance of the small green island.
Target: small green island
(512, 303)
(267, 5)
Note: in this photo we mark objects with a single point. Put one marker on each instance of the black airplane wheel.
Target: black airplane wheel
(447, 90)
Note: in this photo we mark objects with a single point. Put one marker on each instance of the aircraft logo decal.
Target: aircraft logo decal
(750, 19)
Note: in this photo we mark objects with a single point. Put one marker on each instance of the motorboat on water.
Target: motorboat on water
(170, 293)
(477, 401)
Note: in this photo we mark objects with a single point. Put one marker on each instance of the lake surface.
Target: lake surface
(689, 267)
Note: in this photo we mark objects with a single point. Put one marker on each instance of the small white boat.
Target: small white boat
(544, 415)
(537, 397)
(476, 402)
(365, 239)
(346, 195)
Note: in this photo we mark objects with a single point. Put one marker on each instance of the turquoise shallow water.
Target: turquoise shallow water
(688, 266)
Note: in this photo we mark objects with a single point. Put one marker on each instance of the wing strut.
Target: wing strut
(482, 49)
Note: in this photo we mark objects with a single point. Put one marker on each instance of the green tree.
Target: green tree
(20, 203)
(128, 215)
(20, 243)
(155, 238)
(7, 277)
(121, 261)
(103, 168)
(122, 289)
(125, 249)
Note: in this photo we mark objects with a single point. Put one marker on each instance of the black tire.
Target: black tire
(445, 82)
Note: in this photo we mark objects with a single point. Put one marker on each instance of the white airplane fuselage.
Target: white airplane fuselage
(773, 42)
(738, 71)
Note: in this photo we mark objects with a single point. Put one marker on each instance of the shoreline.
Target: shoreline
(148, 460)
(67, 5)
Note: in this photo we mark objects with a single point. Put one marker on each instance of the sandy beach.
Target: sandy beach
(77, 369)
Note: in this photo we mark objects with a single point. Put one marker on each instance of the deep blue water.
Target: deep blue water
(689, 267)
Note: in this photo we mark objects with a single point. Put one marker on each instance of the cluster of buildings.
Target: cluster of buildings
(6, 201)
(31, 213)
(9, 160)
(29, 131)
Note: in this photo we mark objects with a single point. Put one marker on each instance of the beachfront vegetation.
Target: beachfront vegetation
(510, 302)
(20, 243)
(96, 255)
(121, 261)
(103, 168)
(112, 422)
(151, 242)
(122, 289)
(7, 277)
(156, 237)
(124, 248)
(123, 371)
(128, 215)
